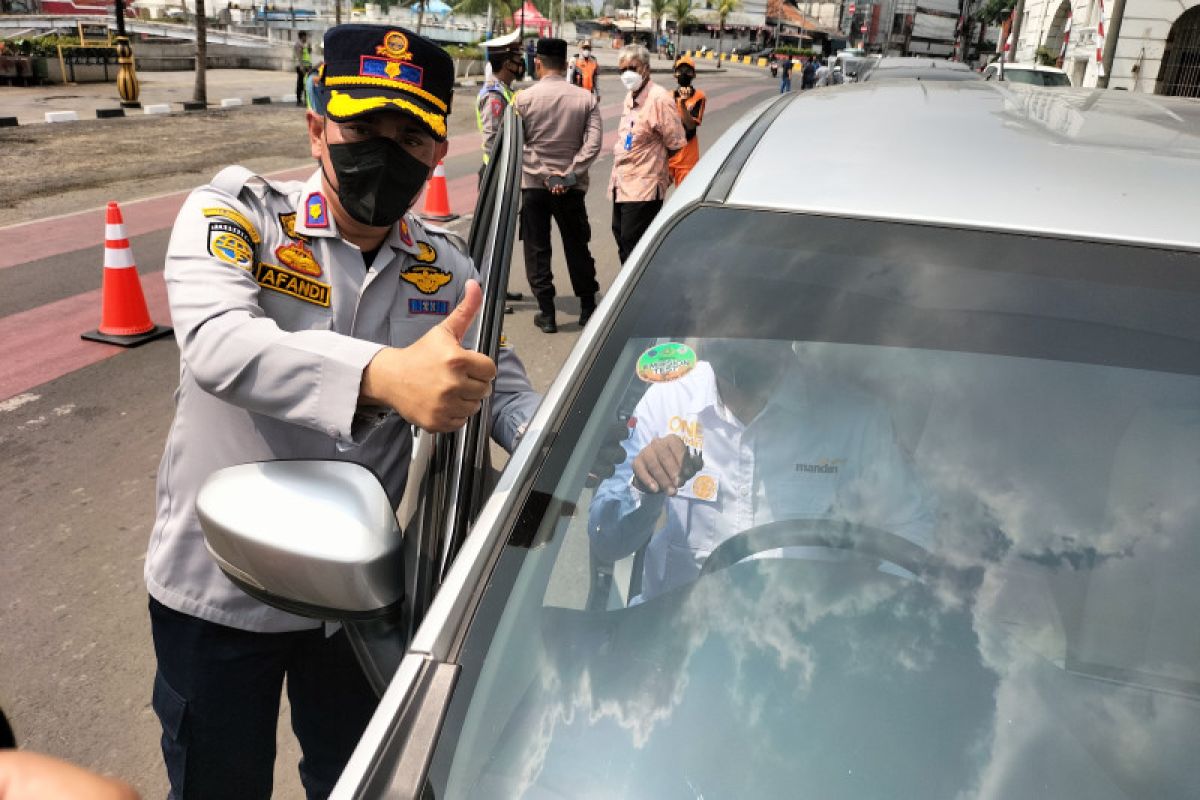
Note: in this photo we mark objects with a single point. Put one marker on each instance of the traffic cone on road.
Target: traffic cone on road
(124, 317)
(437, 197)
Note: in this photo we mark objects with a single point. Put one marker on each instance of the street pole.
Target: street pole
(127, 80)
(1016, 34)
(1112, 30)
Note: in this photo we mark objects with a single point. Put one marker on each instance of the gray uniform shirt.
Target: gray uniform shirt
(563, 131)
(276, 317)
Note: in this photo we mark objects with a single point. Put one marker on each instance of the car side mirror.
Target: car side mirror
(316, 538)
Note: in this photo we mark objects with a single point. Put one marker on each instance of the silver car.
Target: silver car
(952, 549)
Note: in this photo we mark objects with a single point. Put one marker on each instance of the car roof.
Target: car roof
(1030, 68)
(917, 62)
(1096, 164)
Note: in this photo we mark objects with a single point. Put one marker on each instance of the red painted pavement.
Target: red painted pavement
(43, 343)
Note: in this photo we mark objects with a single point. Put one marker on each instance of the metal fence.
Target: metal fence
(1180, 73)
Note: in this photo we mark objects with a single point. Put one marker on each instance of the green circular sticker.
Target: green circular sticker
(666, 362)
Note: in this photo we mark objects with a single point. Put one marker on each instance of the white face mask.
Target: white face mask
(632, 80)
(587, 53)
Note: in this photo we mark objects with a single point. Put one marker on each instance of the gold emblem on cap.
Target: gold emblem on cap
(395, 45)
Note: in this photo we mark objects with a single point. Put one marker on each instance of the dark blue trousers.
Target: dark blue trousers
(217, 693)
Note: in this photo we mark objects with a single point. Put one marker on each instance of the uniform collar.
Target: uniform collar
(406, 235)
(314, 216)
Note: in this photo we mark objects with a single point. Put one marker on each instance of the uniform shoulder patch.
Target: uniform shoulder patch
(236, 217)
(426, 253)
(231, 243)
(426, 277)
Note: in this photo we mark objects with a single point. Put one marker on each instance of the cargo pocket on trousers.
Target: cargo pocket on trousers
(171, 709)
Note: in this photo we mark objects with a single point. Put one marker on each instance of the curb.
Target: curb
(152, 109)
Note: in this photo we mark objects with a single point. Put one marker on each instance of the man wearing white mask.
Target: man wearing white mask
(649, 134)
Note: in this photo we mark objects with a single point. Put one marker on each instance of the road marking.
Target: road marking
(13, 403)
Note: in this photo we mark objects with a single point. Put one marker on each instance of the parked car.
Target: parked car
(955, 551)
(890, 68)
(1032, 74)
(747, 49)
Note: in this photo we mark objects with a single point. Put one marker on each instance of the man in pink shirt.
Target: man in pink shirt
(649, 134)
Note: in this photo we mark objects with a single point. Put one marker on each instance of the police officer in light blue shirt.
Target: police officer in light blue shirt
(315, 319)
(743, 440)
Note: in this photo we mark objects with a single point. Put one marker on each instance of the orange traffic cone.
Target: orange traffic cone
(437, 197)
(124, 317)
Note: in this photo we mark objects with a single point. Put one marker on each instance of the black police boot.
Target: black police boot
(545, 322)
(587, 307)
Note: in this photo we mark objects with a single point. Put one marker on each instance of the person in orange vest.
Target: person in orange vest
(690, 102)
(585, 70)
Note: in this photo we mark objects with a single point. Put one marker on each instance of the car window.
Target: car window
(938, 536)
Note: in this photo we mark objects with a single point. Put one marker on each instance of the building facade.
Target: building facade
(1158, 50)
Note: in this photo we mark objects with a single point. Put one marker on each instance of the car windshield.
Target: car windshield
(1035, 77)
(935, 532)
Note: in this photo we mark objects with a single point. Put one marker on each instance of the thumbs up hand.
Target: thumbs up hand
(434, 383)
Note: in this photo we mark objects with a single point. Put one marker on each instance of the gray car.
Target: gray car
(953, 551)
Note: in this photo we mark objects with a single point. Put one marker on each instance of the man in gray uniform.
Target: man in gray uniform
(315, 319)
(563, 134)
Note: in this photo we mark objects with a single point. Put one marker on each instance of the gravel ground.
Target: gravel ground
(138, 157)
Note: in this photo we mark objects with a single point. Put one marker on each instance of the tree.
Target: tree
(200, 95)
(996, 11)
(658, 9)
(724, 9)
(682, 11)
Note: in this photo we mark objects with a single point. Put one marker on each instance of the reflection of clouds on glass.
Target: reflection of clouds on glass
(763, 616)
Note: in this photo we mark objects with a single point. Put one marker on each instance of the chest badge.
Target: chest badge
(298, 258)
(288, 223)
(425, 253)
(426, 277)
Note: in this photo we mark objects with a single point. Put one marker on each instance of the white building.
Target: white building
(1158, 50)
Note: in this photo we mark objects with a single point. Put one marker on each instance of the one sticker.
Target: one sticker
(690, 430)
(425, 253)
(298, 258)
(303, 288)
(236, 217)
(705, 487)
(666, 362)
(230, 243)
(288, 221)
(439, 308)
(315, 213)
(405, 236)
(426, 277)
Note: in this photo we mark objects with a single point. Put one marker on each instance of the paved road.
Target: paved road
(81, 431)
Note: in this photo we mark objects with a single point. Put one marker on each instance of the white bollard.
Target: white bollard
(157, 108)
(231, 102)
(288, 98)
(61, 116)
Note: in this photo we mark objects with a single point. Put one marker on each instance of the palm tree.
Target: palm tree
(658, 8)
(682, 11)
(724, 9)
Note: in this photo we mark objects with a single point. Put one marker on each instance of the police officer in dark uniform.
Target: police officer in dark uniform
(315, 319)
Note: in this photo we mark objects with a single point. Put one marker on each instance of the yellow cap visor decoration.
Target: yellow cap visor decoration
(298, 258)
(343, 106)
(236, 217)
(425, 253)
(427, 279)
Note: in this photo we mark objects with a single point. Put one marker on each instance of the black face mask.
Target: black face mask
(518, 69)
(377, 180)
(685, 79)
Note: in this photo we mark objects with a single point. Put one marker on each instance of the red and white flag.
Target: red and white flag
(1062, 53)
(1100, 40)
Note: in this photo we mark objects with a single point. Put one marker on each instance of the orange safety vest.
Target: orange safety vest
(682, 162)
(586, 69)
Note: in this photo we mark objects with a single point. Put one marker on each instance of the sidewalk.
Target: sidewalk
(29, 104)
